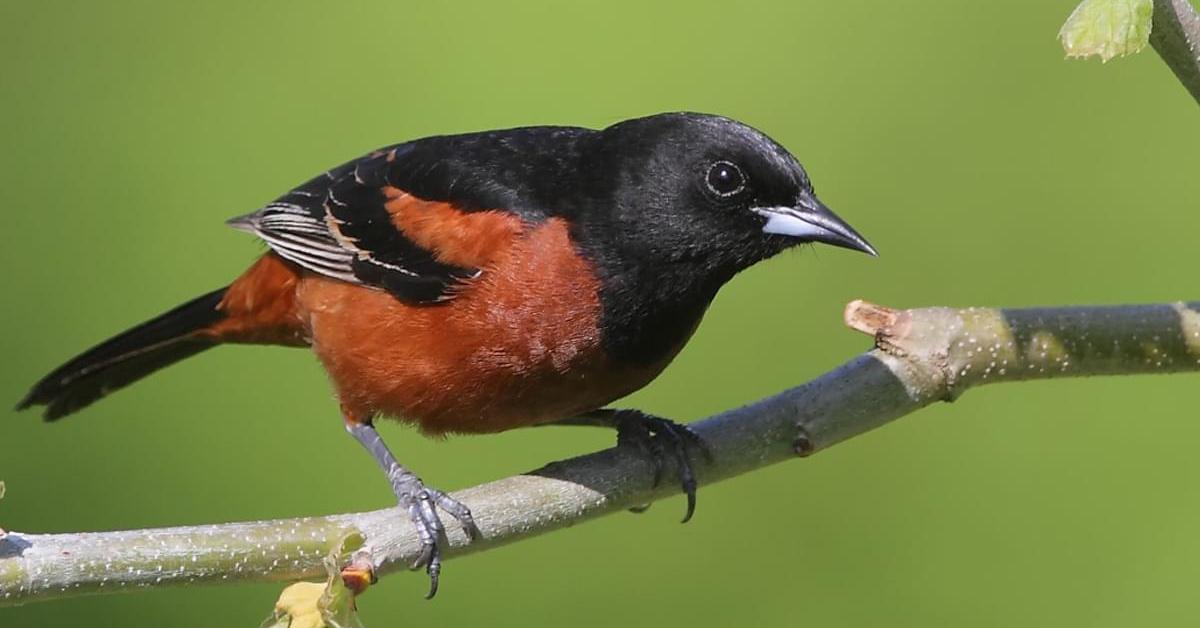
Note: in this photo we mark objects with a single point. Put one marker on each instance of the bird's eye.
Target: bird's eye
(725, 179)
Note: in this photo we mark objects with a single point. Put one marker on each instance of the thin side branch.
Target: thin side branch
(1175, 35)
(921, 356)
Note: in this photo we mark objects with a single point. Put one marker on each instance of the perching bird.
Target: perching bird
(481, 282)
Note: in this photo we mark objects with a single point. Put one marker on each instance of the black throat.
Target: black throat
(649, 311)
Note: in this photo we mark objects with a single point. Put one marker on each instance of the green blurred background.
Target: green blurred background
(986, 168)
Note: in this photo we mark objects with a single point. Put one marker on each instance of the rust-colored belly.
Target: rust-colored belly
(519, 346)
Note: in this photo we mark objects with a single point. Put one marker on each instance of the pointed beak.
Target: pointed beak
(812, 221)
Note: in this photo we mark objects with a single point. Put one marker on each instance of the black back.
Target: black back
(631, 194)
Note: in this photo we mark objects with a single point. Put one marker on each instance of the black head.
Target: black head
(709, 190)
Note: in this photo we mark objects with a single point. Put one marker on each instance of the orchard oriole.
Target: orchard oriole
(486, 281)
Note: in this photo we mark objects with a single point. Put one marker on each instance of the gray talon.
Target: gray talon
(420, 503)
(658, 437)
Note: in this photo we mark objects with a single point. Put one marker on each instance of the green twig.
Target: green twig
(1176, 38)
(1112, 28)
(920, 357)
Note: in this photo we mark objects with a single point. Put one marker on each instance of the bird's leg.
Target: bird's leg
(657, 438)
(418, 500)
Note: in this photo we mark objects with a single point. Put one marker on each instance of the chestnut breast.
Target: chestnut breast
(518, 345)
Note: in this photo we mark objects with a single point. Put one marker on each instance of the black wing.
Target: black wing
(337, 225)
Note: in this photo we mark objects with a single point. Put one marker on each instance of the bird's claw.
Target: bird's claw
(655, 436)
(421, 504)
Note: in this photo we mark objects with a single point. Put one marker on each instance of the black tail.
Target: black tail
(128, 357)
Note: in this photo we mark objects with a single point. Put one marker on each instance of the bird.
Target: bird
(479, 282)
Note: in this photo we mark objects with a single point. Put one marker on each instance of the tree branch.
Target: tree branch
(921, 356)
(1112, 28)
(1175, 35)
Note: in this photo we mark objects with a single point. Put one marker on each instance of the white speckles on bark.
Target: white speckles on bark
(922, 356)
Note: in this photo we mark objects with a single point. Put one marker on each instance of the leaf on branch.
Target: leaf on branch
(328, 604)
(1107, 28)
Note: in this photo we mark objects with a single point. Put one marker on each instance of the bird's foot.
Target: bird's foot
(421, 503)
(658, 438)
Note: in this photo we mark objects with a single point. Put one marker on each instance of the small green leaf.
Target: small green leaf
(1107, 28)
